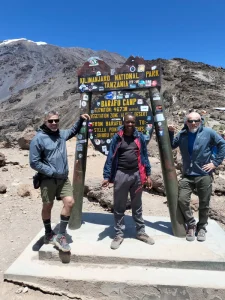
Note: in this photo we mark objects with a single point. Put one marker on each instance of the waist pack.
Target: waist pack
(37, 180)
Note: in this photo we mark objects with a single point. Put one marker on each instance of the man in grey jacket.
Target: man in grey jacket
(196, 143)
(48, 156)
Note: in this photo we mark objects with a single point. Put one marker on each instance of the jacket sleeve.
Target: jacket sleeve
(36, 159)
(145, 154)
(108, 164)
(174, 141)
(219, 142)
(69, 133)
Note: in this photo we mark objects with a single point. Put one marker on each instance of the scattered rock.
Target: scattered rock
(219, 185)
(217, 209)
(2, 160)
(25, 290)
(3, 189)
(24, 190)
(26, 137)
(3, 144)
(4, 169)
(157, 179)
(194, 202)
(19, 290)
(104, 196)
(14, 163)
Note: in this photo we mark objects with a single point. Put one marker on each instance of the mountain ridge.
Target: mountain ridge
(35, 78)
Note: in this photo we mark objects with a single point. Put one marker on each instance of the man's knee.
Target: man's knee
(68, 202)
(47, 207)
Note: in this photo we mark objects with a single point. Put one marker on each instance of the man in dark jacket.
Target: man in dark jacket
(48, 156)
(196, 143)
(128, 166)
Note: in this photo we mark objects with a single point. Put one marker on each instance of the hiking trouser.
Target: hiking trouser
(128, 181)
(203, 187)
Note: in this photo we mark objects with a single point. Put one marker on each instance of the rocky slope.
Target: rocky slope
(35, 77)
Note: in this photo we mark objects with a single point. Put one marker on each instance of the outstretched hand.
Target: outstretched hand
(171, 127)
(85, 117)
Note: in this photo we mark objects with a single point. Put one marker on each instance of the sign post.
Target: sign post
(80, 165)
(167, 162)
(118, 96)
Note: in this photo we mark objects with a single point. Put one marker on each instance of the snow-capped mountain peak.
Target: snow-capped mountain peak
(6, 42)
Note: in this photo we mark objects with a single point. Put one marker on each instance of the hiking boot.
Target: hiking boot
(201, 236)
(116, 242)
(61, 243)
(145, 238)
(190, 236)
(49, 238)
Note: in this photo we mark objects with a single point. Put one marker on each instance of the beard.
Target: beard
(194, 130)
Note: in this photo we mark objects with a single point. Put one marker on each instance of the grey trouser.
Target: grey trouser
(128, 181)
(203, 186)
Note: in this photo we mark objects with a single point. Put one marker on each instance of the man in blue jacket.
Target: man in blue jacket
(48, 156)
(128, 166)
(196, 143)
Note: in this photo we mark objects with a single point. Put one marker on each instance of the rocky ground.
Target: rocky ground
(20, 209)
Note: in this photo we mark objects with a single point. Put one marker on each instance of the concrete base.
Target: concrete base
(171, 269)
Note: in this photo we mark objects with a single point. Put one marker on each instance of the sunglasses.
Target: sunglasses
(128, 122)
(192, 121)
(51, 121)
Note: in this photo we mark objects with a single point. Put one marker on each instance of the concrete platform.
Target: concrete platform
(172, 266)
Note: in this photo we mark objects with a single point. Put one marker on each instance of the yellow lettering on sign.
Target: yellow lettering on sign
(100, 129)
(140, 128)
(100, 109)
(99, 116)
(102, 135)
(85, 80)
(113, 123)
(119, 109)
(140, 114)
(107, 103)
(114, 115)
(153, 73)
(133, 109)
(116, 84)
(113, 129)
(129, 101)
(126, 76)
(97, 123)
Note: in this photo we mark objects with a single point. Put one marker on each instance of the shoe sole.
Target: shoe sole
(46, 242)
(60, 247)
(190, 239)
(49, 242)
(201, 239)
(146, 242)
(114, 248)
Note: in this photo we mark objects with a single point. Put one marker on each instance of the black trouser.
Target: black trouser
(128, 181)
(203, 186)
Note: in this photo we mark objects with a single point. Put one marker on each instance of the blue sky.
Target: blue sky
(191, 29)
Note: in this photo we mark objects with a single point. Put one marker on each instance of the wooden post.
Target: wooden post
(167, 162)
(80, 165)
